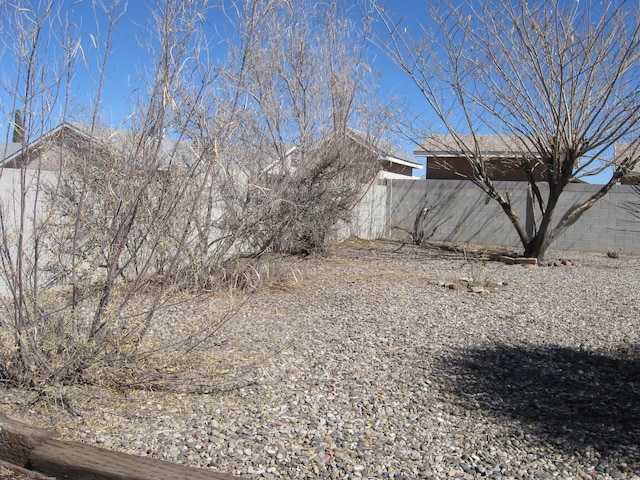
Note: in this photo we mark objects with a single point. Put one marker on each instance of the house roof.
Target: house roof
(170, 146)
(438, 145)
(387, 151)
(119, 138)
(15, 152)
(8, 150)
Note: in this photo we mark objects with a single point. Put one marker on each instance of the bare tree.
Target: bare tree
(301, 82)
(558, 78)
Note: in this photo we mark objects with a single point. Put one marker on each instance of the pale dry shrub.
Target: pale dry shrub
(129, 351)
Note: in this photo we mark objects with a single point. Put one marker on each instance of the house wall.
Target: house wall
(499, 169)
(458, 211)
(54, 157)
(369, 220)
(398, 169)
(10, 181)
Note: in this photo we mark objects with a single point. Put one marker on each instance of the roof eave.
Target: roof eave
(406, 163)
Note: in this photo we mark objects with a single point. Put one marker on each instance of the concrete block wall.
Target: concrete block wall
(458, 211)
(609, 225)
(10, 193)
(369, 219)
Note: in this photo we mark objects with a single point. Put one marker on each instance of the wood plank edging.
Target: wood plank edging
(37, 449)
(18, 439)
(85, 462)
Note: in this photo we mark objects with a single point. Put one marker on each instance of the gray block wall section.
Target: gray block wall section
(369, 216)
(458, 211)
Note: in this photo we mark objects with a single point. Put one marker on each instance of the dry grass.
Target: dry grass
(156, 339)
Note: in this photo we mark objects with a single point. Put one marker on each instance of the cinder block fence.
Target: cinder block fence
(458, 211)
(454, 211)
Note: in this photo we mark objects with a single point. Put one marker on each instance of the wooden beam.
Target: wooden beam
(75, 461)
(37, 449)
(17, 440)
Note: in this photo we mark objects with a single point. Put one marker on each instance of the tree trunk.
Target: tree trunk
(538, 245)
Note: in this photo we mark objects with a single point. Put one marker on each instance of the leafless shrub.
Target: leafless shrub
(93, 275)
(301, 90)
(300, 209)
(192, 198)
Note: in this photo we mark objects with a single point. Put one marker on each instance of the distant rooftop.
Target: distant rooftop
(386, 149)
(448, 145)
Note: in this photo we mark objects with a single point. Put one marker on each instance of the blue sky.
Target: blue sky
(127, 63)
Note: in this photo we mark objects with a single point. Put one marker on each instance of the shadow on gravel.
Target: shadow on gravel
(574, 399)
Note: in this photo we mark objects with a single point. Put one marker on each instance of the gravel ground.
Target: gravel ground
(378, 362)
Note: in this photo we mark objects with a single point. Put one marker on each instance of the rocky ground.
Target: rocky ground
(381, 361)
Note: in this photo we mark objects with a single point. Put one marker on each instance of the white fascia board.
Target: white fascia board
(388, 158)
